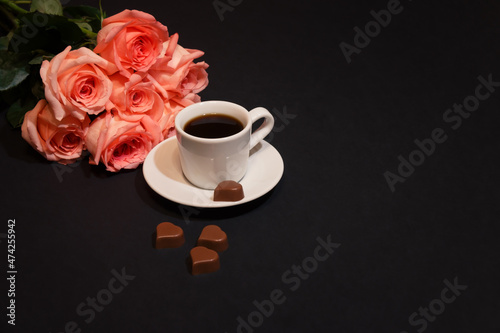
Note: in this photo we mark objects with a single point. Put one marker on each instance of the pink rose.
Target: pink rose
(76, 83)
(172, 107)
(57, 140)
(173, 75)
(133, 40)
(134, 98)
(196, 78)
(120, 144)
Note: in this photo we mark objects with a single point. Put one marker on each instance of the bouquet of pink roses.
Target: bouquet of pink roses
(118, 100)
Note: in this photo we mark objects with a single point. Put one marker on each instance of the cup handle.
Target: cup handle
(260, 133)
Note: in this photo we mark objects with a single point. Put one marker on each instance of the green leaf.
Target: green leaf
(16, 112)
(36, 60)
(4, 43)
(49, 33)
(36, 83)
(24, 91)
(13, 70)
(52, 7)
(84, 25)
(88, 14)
(70, 33)
(95, 24)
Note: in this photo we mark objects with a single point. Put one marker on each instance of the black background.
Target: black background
(346, 125)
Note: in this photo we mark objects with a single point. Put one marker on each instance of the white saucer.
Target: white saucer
(163, 173)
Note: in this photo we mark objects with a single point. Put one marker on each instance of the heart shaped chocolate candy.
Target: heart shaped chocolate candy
(168, 235)
(228, 190)
(213, 238)
(203, 260)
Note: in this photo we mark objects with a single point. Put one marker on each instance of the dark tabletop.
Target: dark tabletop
(386, 218)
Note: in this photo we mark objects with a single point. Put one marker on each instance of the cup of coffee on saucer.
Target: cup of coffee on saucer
(215, 139)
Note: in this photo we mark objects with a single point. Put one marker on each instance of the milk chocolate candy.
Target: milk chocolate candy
(214, 238)
(203, 260)
(168, 235)
(228, 190)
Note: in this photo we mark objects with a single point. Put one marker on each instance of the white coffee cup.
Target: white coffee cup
(205, 161)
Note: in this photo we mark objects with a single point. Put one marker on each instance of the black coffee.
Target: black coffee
(213, 126)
